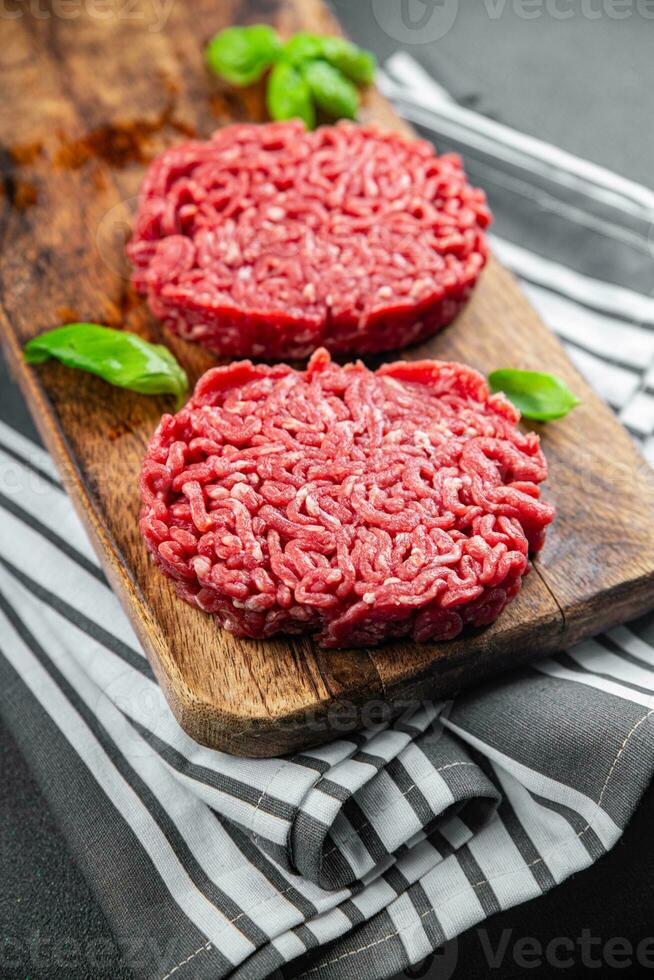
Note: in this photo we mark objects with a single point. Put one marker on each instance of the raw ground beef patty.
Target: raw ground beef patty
(269, 241)
(355, 505)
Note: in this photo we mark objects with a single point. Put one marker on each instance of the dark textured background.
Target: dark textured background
(583, 82)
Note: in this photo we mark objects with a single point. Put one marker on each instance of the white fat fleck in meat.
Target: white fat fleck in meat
(232, 255)
(312, 506)
(254, 603)
(276, 214)
(420, 286)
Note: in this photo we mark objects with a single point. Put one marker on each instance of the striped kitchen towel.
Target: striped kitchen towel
(580, 239)
(361, 857)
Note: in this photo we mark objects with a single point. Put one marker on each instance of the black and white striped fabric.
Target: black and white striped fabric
(361, 857)
(581, 240)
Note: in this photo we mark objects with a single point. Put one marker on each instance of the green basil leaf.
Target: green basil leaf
(118, 356)
(289, 95)
(331, 90)
(303, 47)
(242, 54)
(357, 63)
(538, 396)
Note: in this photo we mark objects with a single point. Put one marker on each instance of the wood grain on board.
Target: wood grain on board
(86, 101)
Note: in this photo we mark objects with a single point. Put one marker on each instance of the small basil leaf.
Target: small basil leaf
(539, 396)
(118, 356)
(303, 47)
(331, 90)
(242, 54)
(289, 95)
(357, 63)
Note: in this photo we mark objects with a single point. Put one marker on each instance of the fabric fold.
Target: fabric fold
(365, 809)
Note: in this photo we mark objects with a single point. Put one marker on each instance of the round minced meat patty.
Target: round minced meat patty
(355, 505)
(269, 241)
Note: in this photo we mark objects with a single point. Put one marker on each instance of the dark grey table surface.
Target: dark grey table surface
(577, 73)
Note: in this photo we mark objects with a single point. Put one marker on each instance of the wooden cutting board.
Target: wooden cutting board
(85, 103)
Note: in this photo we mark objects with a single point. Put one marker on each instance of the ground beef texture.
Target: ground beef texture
(358, 506)
(268, 241)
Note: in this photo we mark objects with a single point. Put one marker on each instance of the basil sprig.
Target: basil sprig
(289, 95)
(355, 62)
(242, 54)
(332, 91)
(309, 71)
(118, 356)
(538, 396)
